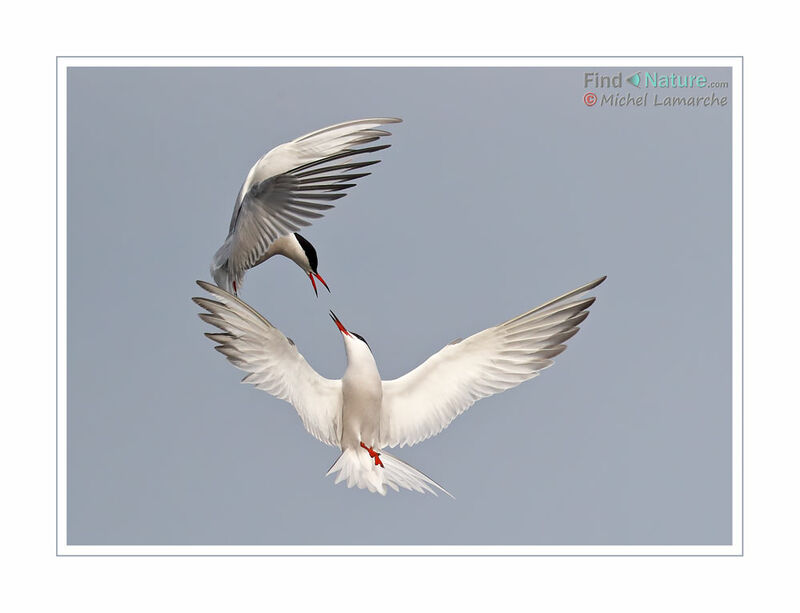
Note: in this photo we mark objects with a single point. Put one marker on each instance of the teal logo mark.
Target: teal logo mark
(633, 79)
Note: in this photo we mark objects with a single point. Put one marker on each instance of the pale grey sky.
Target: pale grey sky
(502, 190)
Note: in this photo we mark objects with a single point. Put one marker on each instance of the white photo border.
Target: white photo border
(735, 63)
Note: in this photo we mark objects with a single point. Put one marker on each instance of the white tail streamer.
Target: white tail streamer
(357, 468)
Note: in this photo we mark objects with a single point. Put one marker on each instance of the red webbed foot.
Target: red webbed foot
(373, 454)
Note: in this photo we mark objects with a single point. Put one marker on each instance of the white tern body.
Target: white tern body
(363, 415)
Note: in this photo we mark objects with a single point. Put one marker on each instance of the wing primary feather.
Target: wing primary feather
(368, 138)
(322, 169)
(303, 212)
(329, 186)
(220, 337)
(338, 178)
(544, 315)
(208, 304)
(318, 206)
(355, 122)
(575, 292)
(324, 196)
(338, 156)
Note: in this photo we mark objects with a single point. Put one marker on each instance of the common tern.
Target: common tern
(288, 188)
(363, 415)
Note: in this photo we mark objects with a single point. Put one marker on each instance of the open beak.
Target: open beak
(311, 276)
(339, 325)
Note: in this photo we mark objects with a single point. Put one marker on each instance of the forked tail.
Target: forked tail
(358, 468)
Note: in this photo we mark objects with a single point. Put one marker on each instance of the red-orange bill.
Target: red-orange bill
(339, 324)
(321, 280)
(314, 284)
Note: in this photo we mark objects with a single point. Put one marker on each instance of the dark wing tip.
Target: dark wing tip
(214, 289)
(367, 149)
(207, 303)
(219, 337)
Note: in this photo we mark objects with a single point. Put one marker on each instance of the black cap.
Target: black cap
(309, 250)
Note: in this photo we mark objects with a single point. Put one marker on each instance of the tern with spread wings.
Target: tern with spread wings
(363, 415)
(288, 188)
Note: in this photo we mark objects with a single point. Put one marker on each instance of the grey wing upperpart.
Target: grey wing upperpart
(423, 402)
(290, 187)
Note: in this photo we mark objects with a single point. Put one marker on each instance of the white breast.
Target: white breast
(362, 393)
(287, 246)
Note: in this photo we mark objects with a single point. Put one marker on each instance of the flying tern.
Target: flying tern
(363, 415)
(287, 188)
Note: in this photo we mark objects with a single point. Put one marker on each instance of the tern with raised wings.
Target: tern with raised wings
(363, 415)
(288, 188)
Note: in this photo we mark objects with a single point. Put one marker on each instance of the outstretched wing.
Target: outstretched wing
(273, 363)
(294, 184)
(423, 402)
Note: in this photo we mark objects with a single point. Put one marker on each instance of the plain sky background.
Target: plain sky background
(502, 190)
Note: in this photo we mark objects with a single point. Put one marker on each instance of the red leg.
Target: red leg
(373, 454)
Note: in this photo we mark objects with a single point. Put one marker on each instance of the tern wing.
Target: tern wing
(273, 363)
(293, 185)
(424, 401)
